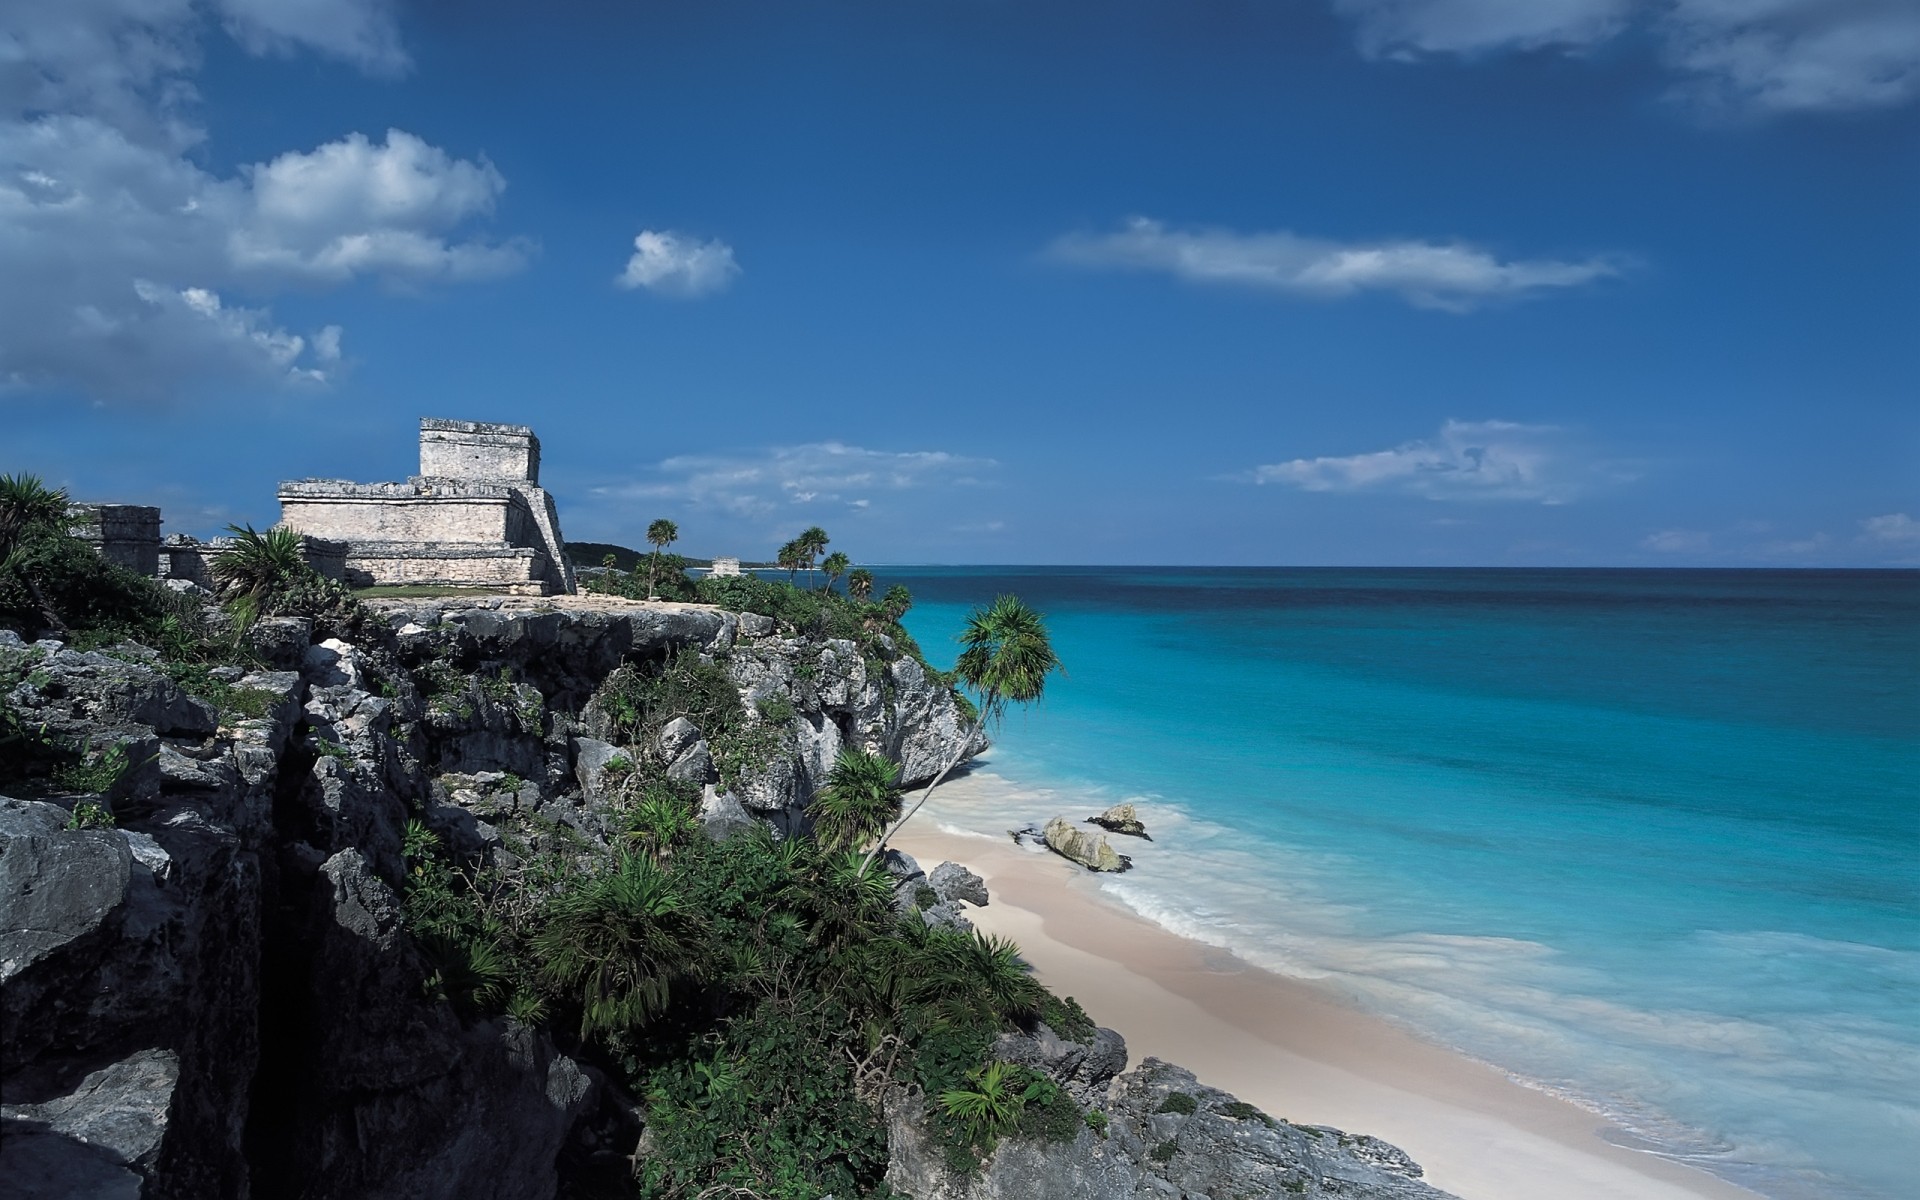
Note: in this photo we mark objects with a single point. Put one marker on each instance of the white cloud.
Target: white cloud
(763, 482)
(1678, 541)
(115, 242)
(675, 264)
(1893, 528)
(1759, 55)
(1402, 28)
(1450, 276)
(1467, 460)
(1807, 55)
(359, 31)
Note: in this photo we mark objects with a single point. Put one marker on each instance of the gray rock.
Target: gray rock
(954, 882)
(58, 886)
(1083, 1069)
(695, 765)
(755, 625)
(590, 759)
(334, 663)
(722, 815)
(1121, 818)
(121, 1108)
(676, 736)
(281, 642)
(1090, 850)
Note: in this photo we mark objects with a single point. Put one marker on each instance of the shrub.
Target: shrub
(1178, 1102)
(89, 815)
(1165, 1151)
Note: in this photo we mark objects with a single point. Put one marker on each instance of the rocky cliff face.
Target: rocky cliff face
(215, 997)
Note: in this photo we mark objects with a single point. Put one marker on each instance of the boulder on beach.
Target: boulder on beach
(1090, 850)
(1121, 818)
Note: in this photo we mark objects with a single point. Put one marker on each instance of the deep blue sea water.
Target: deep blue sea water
(1646, 839)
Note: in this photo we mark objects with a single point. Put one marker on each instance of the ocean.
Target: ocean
(1648, 840)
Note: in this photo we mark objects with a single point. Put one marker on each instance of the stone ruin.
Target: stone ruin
(129, 534)
(474, 517)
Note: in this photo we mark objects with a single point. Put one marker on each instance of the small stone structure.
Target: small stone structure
(475, 516)
(128, 534)
(725, 568)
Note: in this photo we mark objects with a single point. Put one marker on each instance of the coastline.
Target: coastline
(1284, 1046)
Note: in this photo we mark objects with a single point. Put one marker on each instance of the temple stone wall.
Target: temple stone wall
(128, 534)
(475, 516)
(474, 450)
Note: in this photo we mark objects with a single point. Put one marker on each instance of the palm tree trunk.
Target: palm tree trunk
(653, 567)
(979, 723)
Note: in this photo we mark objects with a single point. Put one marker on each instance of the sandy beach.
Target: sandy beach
(1280, 1044)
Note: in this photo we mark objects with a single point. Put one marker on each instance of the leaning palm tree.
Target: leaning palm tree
(618, 944)
(834, 566)
(661, 533)
(860, 584)
(861, 795)
(1005, 657)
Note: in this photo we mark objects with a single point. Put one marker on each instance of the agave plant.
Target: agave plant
(260, 564)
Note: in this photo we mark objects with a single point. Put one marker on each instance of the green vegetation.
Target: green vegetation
(1240, 1110)
(596, 554)
(1165, 1151)
(862, 794)
(1178, 1102)
(660, 535)
(1005, 658)
(90, 815)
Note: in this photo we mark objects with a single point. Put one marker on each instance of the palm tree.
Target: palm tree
(861, 796)
(619, 943)
(812, 543)
(896, 602)
(835, 565)
(1005, 657)
(791, 559)
(661, 533)
(860, 584)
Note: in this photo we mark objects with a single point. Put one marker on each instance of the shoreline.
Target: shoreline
(1287, 1047)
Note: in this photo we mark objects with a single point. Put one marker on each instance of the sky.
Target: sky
(1263, 282)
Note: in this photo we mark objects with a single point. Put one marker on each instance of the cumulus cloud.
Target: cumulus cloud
(1757, 55)
(1892, 529)
(674, 264)
(123, 255)
(761, 483)
(1467, 460)
(1449, 276)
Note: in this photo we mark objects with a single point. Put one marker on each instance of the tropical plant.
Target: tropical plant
(791, 559)
(990, 1109)
(861, 795)
(1005, 658)
(833, 567)
(860, 584)
(895, 602)
(29, 507)
(661, 534)
(259, 564)
(812, 543)
(617, 944)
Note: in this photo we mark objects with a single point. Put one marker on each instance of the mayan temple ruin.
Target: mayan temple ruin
(475, 516)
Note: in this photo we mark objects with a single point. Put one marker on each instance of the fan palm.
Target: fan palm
(861, 796)
(834, 566)
(27, 505)
(1005, 658)
(860, 584)
(791, 559)
(661, 534)
(812, 543)
(618, 944)
(896, 601)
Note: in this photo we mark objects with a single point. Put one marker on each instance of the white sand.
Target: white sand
(1279, 1044)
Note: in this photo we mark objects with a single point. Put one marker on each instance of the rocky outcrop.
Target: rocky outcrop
(1121, 818)
(1090, 850)
(216, 997)
(1159, 1133)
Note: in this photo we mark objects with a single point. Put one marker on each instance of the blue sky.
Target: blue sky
(1503, 282)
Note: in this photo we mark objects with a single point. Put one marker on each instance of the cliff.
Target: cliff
(225, 989)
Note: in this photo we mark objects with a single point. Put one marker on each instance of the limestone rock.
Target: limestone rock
(333, 663)
(676, 736)
(695, 765)
(591, 757)
(954, 882)
(1121, 818)
(1090, 850)
(721, 815)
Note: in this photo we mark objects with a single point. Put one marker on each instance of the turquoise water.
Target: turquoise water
(1646, 839)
